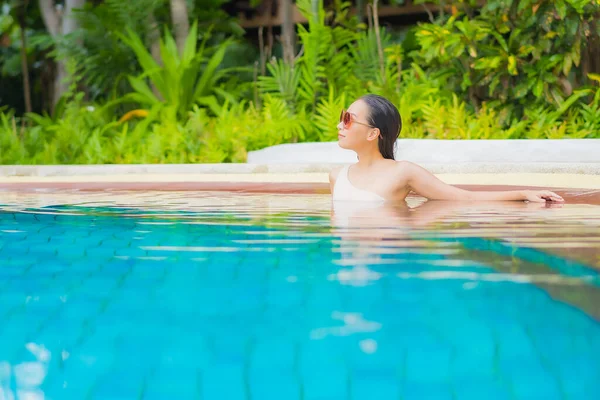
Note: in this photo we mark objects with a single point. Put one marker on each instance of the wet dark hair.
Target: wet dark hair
(384, 116)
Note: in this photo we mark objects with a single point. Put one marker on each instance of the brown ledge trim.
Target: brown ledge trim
(572, 196)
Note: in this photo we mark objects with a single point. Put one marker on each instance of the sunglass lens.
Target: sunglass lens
(347, 120)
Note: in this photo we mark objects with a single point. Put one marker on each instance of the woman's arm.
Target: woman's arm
(333, 174)
(427, 185)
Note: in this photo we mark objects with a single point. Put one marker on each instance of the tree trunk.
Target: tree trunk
(288, 33)
(594, 45)
(153, 39)
(360, 10)
(181, 23)
(24, 65)
(60, 24)
(377, 35)
(50, 16)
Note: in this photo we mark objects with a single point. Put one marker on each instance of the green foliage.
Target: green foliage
(512, 53)
(180, 81)
(512, 71)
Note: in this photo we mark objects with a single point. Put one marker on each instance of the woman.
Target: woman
(370, 127)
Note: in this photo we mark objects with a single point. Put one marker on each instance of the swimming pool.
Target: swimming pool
(158, 295)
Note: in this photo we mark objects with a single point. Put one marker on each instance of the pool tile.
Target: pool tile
(30, 394)
(119, 384)
(579, 374)
(474, 349)
(70, 251)
(58, 332)
(93, 252)
(18, 326)
(172, 383)
(62, 387)
(514, 342)
(426, 390)
(465, 333)
(529, 379)
(116, 243)
(428, 363)
(223, 381)
(323, 295)
(476, 388)
(326, 381)
(473, 363)
(89, 241)
(80, 308)
(373, 351)
(375, 384)
(188, 353)
(284, 297)
(276, 354)
(362, 298)
(138, 354)
(99, 284)
(331, 350)
(16, 250)
(274, 384)
(10, 299)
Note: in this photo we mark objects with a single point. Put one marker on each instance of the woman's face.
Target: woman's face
(357, 135)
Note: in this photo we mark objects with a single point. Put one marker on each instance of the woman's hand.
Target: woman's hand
(541, 196)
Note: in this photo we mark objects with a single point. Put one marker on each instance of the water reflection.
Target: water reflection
(110, 291)
(554, 246)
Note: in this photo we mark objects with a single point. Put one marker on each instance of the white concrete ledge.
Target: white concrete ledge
(578, 158)
(429, 151)
(195, 169)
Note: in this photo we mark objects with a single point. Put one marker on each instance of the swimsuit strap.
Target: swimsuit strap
(345, 190)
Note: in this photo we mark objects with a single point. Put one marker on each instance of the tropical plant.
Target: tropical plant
(512, 53)
(181, 81)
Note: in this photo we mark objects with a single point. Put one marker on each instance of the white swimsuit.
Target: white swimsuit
(344, 190)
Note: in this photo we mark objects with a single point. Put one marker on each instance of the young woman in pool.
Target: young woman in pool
(370, 127)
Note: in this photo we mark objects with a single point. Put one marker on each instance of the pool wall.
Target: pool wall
(571, 167)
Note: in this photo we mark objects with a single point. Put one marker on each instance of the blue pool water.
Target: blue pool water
(174, 296)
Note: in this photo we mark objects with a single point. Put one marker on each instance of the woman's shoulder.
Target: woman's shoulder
(401, 171)
(334, 173)
(399, 166)
(403, 166)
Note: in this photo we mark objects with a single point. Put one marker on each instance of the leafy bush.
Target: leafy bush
(202, 112)
(512, 54)
(179, 82)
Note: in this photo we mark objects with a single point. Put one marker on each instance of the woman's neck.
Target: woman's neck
(367, 158)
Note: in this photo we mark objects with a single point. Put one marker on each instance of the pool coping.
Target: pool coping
(7, 171)
(579, 182)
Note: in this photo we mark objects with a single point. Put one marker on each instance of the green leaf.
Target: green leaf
(211, 103)
(512, 65)
(209, 73)
(189, 50)
(576, 53)
(500, 40)
(521, 90)
(143, 90)
(561, 8)
(538, 88)
(594, 77)
(567, 64)
(571, 100)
